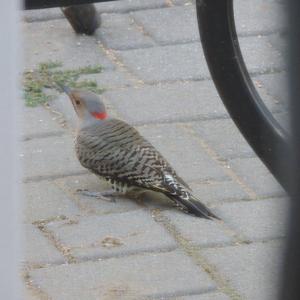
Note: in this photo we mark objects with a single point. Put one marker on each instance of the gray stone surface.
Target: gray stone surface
(254, 17)
(208, 296)
(200, 232)
(175, 62)
(128, 277)
(44, 200)
(251, 269)
(110, 79)
(256, 176)
(37, 15)
(276, 86)
(183, 151)
(170, 102)
(170, 25)
(119, 31)
(91, 205)
(55, 41)
(257, 220)
(284, 120)
(39, 250)
(186, 61)
(37, 122)
(215, 192)
(224, 137)
(125, 6)
(48, 157)
(112, 235)
(260, 56)
(280, 42)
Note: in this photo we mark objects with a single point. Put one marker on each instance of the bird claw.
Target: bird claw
(108, 196)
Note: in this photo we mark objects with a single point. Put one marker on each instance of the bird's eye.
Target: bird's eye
(77, 102)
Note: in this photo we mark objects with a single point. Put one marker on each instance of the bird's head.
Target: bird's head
(87, 105)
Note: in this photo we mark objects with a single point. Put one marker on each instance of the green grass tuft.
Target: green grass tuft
(48, 75)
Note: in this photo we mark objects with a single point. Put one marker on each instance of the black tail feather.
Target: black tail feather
(195, 207)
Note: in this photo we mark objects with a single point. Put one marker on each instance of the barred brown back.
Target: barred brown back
(116, 151)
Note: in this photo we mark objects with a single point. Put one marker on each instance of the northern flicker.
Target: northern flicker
(117, 153)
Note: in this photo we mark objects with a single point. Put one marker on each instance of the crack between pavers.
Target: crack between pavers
(166, 296)
(139, 26)
(31, 286)
(255, 75)
(112, 56)
(83, 260)
(195, 254)
(215, 157)
(39, 178)
(30, 137)
(64, 250)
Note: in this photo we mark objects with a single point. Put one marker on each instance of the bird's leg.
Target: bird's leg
(108, 195)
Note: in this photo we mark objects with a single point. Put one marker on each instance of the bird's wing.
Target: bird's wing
(116, 150)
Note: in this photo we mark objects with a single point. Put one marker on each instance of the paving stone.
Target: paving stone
(257, 220)
(124, 278)
(256, 176)
(223, 137)
(37, 121)
(183, 152)
(175, 62)
(213, 192)
(44, 200)
(208, 296)
(284, 120)
(37, 15)
(183, 2)
(170, 25)
(259, 16)
(168, 102)
(52, 156)
(186, 61)
(280, 42)
(260, 56)
(110, 79)
(119, 31)
(200, 232)
(37, 249)
(28, 293)
(91, 205)
(55, 41)
(258, 264)
(276, 86)
(112, 235)
(126, 6)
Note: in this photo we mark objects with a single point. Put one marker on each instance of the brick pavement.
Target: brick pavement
(156, 78)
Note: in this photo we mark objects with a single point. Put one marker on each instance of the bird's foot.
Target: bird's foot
(109, 195)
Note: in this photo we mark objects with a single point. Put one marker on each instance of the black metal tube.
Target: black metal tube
(36, 4)
(290, 289)
(230, 75)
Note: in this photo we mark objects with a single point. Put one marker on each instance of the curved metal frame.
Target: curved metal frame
(232, 80)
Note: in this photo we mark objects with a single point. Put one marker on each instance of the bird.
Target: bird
(117, 153)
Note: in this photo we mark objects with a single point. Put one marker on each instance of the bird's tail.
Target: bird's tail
(194, 206)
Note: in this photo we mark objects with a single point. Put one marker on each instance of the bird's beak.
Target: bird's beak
(65, 89)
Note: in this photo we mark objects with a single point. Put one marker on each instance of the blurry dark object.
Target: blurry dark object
(83, 18)
(230, 75)
(37, 4)
(290, 289)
